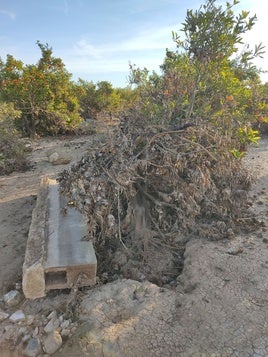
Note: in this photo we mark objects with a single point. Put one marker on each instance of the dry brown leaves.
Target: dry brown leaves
(148, 189)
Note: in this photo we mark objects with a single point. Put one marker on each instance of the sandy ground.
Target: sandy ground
(17, 199)
(219, 308)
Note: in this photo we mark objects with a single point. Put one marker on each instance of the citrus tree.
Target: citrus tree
(42, 92)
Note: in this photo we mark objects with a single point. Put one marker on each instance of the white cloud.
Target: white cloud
(147, 48)
(9, 14)
(148, 39)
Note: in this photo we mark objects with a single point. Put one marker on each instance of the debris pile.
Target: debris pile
(148, 189)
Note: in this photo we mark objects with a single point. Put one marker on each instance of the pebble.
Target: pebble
(30, 320)
(26, 338)
(12, 298)
(22, 331)
(65, 324)
(18, 286)
(65, 332)
(52, 325)
(53, 157)
(52, 342)
(33, 348)
(230, 234)
(52, 315)
(17, 316)
(36, 331)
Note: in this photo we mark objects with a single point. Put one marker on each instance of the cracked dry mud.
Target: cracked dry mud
(219, 308)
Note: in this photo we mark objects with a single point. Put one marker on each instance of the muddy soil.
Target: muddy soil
(218, 308)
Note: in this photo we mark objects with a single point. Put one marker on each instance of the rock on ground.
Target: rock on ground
(52, 342)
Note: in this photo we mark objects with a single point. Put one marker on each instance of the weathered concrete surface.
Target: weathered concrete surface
(56, 257)
(33, 281)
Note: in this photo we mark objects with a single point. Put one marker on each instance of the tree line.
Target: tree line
(207, 78)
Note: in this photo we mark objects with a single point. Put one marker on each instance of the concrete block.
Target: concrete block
(63, 259)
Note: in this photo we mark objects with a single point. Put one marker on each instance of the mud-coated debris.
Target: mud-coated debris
(52, 342)
(33, 348)
(12, 298)
(3, 315)
(17, 316)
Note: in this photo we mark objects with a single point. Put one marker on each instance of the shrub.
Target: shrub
(13, 152)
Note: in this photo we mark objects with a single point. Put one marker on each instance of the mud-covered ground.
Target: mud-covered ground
(218, 308)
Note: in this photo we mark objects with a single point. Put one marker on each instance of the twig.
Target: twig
(119, 221)
(185, 139)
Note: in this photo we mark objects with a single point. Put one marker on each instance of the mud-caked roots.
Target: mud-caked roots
(148, 189)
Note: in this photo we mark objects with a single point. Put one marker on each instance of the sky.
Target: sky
(98, 39)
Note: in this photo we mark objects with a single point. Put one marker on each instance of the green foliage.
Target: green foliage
(13, 153)
(42, 92)
(97, 100)
(213, 33)
(202, 81)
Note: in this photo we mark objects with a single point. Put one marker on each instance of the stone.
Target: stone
(17, 316)
(30, 320)
(61, 161)
(53, 157)
(52, 342)
(12, 298)
(26, 338)
(65, 324)
(36, 331)
(33, 348)
(18, 286)
(52, 315)
(52, 325)
(3, 315)
(65, 332)
(22, 331)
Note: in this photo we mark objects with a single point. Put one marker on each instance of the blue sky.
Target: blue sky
(98, 39)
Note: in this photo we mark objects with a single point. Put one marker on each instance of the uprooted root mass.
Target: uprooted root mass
(147, 190)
